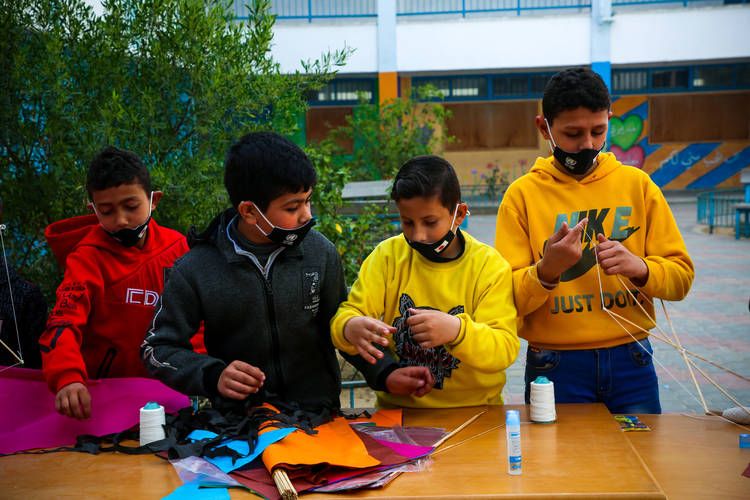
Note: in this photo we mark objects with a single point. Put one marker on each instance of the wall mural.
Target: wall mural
(703, 165)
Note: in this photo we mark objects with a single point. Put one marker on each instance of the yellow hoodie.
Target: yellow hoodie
(621, 202)
(476, 287)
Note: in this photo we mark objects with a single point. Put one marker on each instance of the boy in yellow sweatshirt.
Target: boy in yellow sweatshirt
(430, 321)
(580, 229)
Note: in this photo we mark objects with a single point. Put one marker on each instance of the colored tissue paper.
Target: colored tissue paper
(194, 491)
(242, 447)
(34, 423)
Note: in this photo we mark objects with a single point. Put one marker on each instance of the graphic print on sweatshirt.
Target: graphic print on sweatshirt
(440, 362)
(620, 232)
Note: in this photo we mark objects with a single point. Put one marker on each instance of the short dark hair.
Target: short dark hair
(261, 166)
(574, 88)
(113, 167)
(427, 176)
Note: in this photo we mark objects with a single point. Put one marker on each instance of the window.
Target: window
(538, 82)
(511, 85)
(713, 76)
(469, 87)
(743, 75)
(343, 92)
(629, 80)
(670, 78)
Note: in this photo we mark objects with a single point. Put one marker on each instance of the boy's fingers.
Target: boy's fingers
(75, 405)
(248, 369)
(559, 234)
(366, 356)
(235, 386)
(601, 238)
(85, 400)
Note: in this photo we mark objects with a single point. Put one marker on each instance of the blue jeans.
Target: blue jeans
(621, 377)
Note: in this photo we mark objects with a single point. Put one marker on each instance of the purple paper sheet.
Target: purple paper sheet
(29, 420)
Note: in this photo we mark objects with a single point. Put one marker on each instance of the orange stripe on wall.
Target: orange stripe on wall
(625, 104)
(655, 159)
(731, 182)
(387, 86)
(713, 160)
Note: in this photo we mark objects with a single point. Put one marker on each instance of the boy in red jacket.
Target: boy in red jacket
(115, 263)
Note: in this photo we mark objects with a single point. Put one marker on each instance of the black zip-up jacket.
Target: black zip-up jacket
(274, 317)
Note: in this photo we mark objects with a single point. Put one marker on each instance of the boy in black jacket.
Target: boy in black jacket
(264, 285)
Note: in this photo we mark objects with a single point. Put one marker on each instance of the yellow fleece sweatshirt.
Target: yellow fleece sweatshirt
(624, 204)
(476, 287)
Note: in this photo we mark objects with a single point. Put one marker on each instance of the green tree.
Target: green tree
(176, 81)
(354, 235)
(386, 135)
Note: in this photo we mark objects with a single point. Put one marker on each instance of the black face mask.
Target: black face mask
(576, 163)
(433, 251)
(286, 237)
(129, 237)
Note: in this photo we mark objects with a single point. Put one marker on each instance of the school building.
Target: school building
(679, 73)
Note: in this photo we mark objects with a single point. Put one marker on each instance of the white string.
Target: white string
(614, 318)
(18, 356)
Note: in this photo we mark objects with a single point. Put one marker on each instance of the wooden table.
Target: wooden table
(694, 456)
(583, 455)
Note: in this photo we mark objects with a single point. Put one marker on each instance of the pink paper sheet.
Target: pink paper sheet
(28, 418)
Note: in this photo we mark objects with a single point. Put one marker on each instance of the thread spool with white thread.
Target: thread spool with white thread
(152, 423)
(542, 399)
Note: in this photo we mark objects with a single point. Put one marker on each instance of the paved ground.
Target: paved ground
(713, 320)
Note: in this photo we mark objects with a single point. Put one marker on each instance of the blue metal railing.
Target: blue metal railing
(315, 9)
(341, 9)
(685, 3)
(464, 7)
(717, 208)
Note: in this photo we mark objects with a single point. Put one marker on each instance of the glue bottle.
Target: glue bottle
(513, 441)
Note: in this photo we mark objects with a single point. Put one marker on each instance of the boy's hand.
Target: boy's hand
(431, 328)
(239, 380)
(74, 400)
(362, 332)
(616, 259)
(563, 250)
(414, 380)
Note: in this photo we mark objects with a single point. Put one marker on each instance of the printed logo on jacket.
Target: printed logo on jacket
(621, 231)
(440, 362)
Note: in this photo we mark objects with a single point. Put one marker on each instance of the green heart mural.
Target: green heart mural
(624, 133)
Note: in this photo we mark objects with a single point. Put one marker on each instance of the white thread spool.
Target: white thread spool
(542, 399)
(152, 423)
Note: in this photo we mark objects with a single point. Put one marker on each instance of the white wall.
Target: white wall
(452, 44)
(296, 41)
(681, 35)
(494, 42)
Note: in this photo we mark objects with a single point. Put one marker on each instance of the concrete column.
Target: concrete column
(387, 67)
(601, 22)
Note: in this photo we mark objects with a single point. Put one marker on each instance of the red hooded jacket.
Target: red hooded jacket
(105, 302)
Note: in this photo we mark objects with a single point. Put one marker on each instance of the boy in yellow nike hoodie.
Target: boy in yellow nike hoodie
(580, 230)
(430, 321)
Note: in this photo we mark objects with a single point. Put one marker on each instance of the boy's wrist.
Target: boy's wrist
(545, 279)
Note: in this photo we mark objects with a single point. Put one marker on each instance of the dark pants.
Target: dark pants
(621, 377)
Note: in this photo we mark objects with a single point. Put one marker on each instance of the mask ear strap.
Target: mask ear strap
(455, 214)
(264, 218)
(549, 131)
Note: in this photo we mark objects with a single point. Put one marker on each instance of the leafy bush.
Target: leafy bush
(176, 81)
(388, 134)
